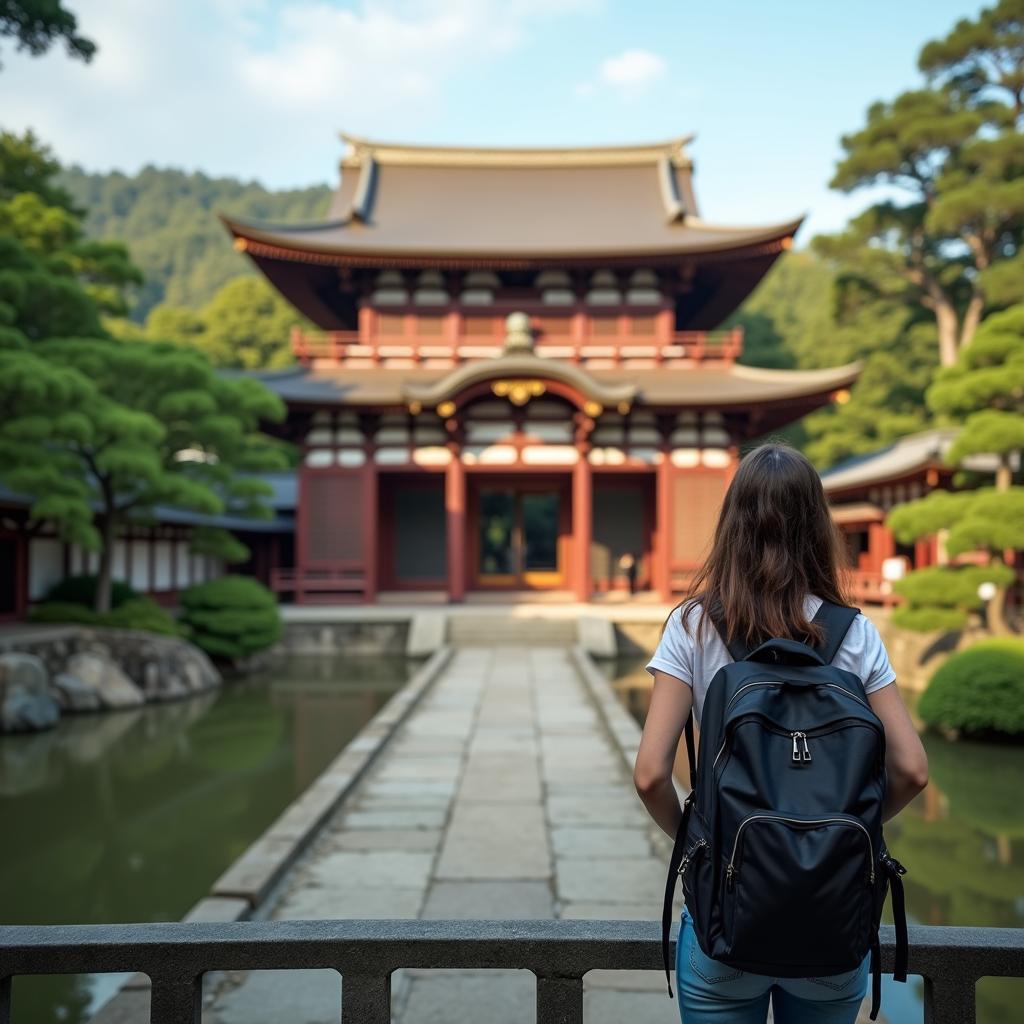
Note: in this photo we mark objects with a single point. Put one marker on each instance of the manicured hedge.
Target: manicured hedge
(231, 617)
(82, 590)
(138, 613)
(979, 691)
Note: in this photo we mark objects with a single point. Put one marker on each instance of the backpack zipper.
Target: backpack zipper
(778, 682)
(732, 870)
(800, 736)
(689, 855)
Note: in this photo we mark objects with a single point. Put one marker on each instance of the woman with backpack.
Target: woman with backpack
(790, 730)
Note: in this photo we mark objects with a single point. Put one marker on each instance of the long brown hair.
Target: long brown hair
(775, 542)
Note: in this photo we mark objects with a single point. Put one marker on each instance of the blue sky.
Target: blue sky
(260, 88)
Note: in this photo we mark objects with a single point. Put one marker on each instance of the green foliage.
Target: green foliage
(231, 617)
(941, 597)
(26, 165)
(950, 244)
(99, 431)
(787, 321)
(82, 590)
(140, 613)
(53, 281)
(37, 24)
(246, 324)
(219, 543)
(979, 690)
(984, 388)
(167, 218)
(175, 434)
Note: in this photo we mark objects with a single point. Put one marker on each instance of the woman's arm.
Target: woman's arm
(906, 763)
(671, 700)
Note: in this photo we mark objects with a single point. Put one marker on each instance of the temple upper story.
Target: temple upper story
(434, 246)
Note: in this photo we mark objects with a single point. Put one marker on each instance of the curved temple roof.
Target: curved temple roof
(479, 205)
(735, 386)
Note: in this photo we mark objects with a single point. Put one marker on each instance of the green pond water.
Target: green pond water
(962, 842)
(132, 815)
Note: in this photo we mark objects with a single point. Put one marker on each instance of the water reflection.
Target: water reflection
(962, 841)
(131, 816)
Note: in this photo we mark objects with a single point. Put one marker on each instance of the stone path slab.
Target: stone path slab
(502, 796)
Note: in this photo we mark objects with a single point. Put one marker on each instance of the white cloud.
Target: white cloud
(633, 69)
(629, 74)
(257, 86)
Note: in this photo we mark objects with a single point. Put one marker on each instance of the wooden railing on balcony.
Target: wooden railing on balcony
(320, 586)
(451, 348)
(867, 587)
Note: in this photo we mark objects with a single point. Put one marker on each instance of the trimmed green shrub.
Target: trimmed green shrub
(944, 596)
(142, 613)
(82, 590)
(63, 611)
(979, 691)
(231, 617)
(139, 613)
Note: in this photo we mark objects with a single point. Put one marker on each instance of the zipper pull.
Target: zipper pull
(807, 753)
(796, 752)
(729, 872)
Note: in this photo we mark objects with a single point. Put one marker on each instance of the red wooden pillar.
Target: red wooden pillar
(370, 552)
(582, 525)
(455, 515)
(880, 545)
(922, 553)
(661, 575)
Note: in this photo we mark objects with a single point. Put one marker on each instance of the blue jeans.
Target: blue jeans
(714, 993)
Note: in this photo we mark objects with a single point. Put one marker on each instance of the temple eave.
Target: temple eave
(260, 243)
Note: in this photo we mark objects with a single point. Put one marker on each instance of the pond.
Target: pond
(962, 842)
(132, 815)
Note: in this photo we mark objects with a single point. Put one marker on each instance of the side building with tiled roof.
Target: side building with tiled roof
(863, 489)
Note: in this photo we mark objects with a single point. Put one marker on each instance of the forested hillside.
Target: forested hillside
(168, 220)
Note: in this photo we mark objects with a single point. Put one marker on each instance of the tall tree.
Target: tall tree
(985, 391)
(954, 155)
(37, 24)
(99, 431)
(38, 219)
(155, 426)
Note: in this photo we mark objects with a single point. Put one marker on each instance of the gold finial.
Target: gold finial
(446, 409)
(415, 408)
(240, 244)
(593, 409)
(518, 392)
(623, 408)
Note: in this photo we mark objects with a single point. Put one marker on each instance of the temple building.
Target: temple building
(519, 380)
(863, 490)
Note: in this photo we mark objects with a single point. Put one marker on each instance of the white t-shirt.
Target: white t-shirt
(681, 655)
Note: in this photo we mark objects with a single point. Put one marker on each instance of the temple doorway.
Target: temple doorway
(519, 532)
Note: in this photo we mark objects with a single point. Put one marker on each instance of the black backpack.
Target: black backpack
(783, 863)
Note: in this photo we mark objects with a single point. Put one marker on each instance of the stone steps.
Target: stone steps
(485, 629)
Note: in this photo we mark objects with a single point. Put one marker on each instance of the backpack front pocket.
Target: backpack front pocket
(798, 893)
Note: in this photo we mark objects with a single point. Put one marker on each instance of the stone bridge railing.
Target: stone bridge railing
(175, 957)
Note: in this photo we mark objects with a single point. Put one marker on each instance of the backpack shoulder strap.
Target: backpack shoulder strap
(738, 650)
(835, 620)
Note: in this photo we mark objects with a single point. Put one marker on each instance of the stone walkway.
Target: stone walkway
(502, 796)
